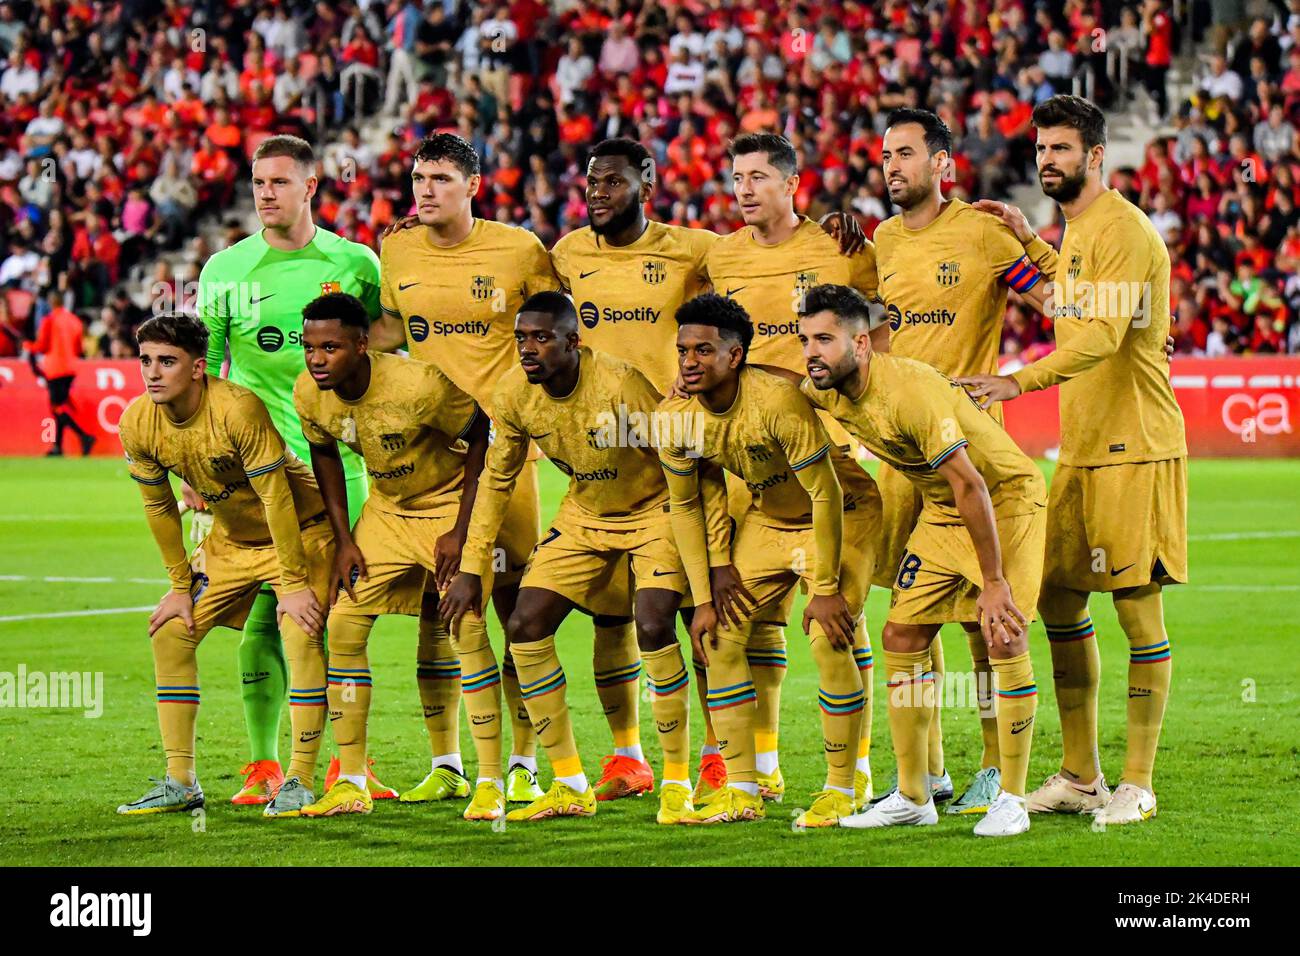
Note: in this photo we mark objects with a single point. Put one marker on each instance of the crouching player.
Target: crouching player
(813, 516)
(573, 403)
(981, 494)
(423, 441)
(269, 528)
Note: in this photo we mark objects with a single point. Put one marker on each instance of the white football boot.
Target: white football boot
(1059, 794)
(894, 811)
(1006, 816)
(1128, 804)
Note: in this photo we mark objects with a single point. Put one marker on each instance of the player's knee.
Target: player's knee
(904, 638)
(655, 631)
(174, 638)
(1140, 612)
(829, 659)
(525, 628)
(349, 634)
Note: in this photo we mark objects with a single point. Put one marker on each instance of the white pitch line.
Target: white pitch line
(55, 579)
(1244, 587)
(91, 613)
(87, 517)
(1243, 535)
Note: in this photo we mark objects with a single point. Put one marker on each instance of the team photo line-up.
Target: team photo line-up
(707, 397)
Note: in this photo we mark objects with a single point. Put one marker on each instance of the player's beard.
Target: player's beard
(1069, 187)
(914, 195)
(617, 222)
(836, 372)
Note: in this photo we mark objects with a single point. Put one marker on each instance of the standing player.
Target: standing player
(59, 340)
(977, 543)
(451, 287)
(592, 415)
(767, 267)
(628, 275)
(801, 525)
(944, 274)
(269, 529)
(251, 298)
(407, 420)
(1117, 517)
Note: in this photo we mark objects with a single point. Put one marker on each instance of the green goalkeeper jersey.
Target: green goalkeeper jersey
(251, 298)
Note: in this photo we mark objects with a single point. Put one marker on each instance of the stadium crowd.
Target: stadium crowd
(125, 121)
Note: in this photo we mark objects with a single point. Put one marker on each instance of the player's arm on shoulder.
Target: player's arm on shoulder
(1012, 264)
(793, 377)
(387, 329)
(807, 447)
(213, 304)
(1040, 253)
(686, 507)
(160, 510)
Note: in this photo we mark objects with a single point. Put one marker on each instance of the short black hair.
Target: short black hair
(1076, 113)
(937, 134)
(844, 302)
(347, 309)
(450, 147)
(717, 311)
(555, 304)
(175, 328)
(780, 153)
(637, 156)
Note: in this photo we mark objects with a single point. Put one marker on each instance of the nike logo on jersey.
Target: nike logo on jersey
(539, 437)
(583, 275)
(734, 291)
(252, 301)
(403, 286)
(888, 277)
(660, 574)
(1115, 574)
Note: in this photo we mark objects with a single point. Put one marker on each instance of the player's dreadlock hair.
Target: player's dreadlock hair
(348, 309)
(637, 156)
(780, 153)
(175, 328)
(555, 304)
(937, 134)
(844, 302)
(453, 149)
(717, 311)
(1076, 113)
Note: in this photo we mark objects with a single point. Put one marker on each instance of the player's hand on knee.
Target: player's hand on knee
(446, 556)
(349, 567)
(1001, 622)
(174, 604)
(305, 610)
(704, 624)
(464, 595)
(831, 611)
(732, 601)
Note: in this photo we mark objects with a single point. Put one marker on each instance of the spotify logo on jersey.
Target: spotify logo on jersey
(270, 338)
(589, 314)
(419, 327)
(895, 317)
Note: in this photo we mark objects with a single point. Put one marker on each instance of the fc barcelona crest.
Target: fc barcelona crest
(327, 287)
(1076, 266)
(803, 281)
(949, 274)
(653, 271)
(481, 287)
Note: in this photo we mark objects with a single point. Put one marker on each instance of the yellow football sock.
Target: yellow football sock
(616, 661)
(437, 673)
(863, 657)
(841, 699)
(1017, 703)
(348, 680)
(670, 702)
(480, 684)
(702, 692)
(523, 740)
(307, 698)
(979, 655)
(1076, 673)
(731, 705)
(176, 672)
(541, 681)
(934, 742)
(1141, 615)
(765, 653)
(911, 706)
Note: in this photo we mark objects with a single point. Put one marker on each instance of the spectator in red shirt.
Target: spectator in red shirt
(1159, 29)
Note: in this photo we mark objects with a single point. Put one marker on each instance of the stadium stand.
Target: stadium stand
(127, 126)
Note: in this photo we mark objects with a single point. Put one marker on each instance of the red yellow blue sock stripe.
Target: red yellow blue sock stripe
(307, 697)
(177, 694)
(437, 670)
(766, 658)
(720, 698)
(863, 658)
(543, 685)
(665, 687)
(618, 675)
(1150, 654)
(1066, 633)
(358, 676)
(482, 680)
(840, 704)
(1019, 693)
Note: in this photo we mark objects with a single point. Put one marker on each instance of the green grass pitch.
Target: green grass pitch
(1227, 768)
